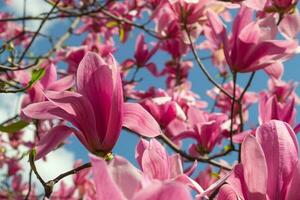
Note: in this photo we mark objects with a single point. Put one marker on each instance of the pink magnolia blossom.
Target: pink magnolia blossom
(142, 53)
(72, 57)
(155, 162)
(49, 81)
(206, 177)
(9, 30)
(205, 128)
(251, 46)
(279, 102)
(223, 102)
(284, 4)
(270, 108)
(142, 56)
(163, 109)
(289, 26)
(96, 111)
(177, 72)
(269, 168)
(119, 180)
(187, 11)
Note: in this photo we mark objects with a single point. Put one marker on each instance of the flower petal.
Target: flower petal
(254, 165)
(227, 192)
(50, 76)
(166, 191)
(127, 177)
(76, 109)
(52, 139)
(41, 110)
(101, 84)
(62, 84)
(138, 120)
(155, 163)
(280, 147)
(293, 192)
(106, 188)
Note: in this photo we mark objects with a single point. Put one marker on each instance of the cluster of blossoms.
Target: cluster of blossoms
(89, 92)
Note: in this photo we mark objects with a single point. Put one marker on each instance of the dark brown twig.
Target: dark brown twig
(201, 65)
(37, 32)
(209, 160)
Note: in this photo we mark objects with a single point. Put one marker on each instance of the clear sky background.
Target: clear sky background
(126, 144)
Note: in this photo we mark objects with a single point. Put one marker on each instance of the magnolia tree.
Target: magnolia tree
(186, 145)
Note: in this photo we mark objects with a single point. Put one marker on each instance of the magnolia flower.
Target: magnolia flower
(223, 102)
(205, 128)
(96, 111)
(119, 180)
(163, 109)
(49, 81)
(252, 46)
(270, 167)
(142, 56)
(156, 164)
(188, 11)
(161, 177)
(284, 4)
(270, 108)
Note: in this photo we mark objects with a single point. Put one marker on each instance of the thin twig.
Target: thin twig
(202, 67)
(189, 157)
(29, 187)
(33, 167)
(71, 172)
(241, 109)
(232, 114)
(48, 187)
(37, 32)
(218, 95)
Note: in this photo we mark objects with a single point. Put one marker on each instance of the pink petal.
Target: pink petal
(189, 182)
(138, 120)
(52, 139)
(256, 4)
(227, 192)
(267, 53)
(239, 138)
(290, 25)
(293, 192)
(297, 128)
(50, 76)
(175, 165)
(279, 144)
(189, 171)
(127, 177)
(275, 70)
(236, 180)
(196, 116)
(140, 149)
(166, 191)
(254, 165)
(153, 69)
(100, 82)
(62, 84)
(155, 163)
(216, 184)
(106, 188)
(76, 109)
(243, 18)
(41, 110)
(219, 32)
